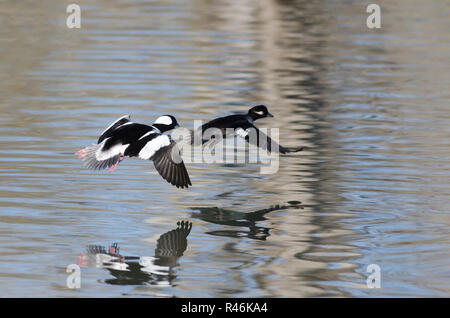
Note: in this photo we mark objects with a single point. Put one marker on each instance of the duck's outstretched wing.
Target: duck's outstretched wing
(256, 137)
(119, 122)
(174, 242)
(167, 160)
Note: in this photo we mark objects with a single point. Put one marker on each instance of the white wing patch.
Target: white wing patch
(241, 132)
(128, 123)
(147, 134)
(153, 146)
(101, 155)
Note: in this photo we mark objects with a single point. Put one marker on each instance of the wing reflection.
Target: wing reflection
(141, 270)
(240, 219)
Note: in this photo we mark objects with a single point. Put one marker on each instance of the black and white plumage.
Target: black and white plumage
(126, 138)
(141, 270)
(242, 126)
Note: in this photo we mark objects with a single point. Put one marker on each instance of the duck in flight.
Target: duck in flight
(126, 138)
(242, 126)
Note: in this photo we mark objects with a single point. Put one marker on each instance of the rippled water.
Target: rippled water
(370, 106)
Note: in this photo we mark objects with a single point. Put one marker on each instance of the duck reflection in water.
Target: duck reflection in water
(240, 219)
(141, 270)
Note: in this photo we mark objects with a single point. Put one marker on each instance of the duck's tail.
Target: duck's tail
(90, 161)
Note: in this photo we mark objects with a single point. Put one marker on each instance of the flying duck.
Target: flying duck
(242, 126)
(126, 138)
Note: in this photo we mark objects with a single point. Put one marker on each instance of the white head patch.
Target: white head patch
(260, 112)
(164, 120)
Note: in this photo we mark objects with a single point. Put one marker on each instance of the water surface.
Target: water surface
(371, 108)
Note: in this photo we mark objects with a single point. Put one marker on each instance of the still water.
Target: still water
(371, 108)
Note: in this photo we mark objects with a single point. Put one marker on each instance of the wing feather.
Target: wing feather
(169, 165)
(119, 122)
(256, 137)
(95, 158)
(174, 242)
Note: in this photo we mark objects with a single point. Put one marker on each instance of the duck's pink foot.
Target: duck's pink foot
(113, 249)
(81, 153)
(113, 167)
(82, 260)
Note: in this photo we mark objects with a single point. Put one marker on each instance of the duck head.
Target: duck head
(166, 123)
(259, 111)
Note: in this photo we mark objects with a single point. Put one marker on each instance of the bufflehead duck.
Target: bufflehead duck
(141, 270)
(126, 138)
(242, 125)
